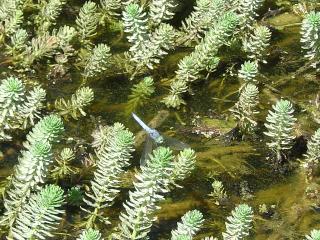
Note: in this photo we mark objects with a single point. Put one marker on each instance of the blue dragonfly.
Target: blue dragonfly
(155, 139)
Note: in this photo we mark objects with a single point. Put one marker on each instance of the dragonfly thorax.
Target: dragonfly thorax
(155, 135)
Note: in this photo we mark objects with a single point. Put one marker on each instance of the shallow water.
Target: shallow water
(232, 162)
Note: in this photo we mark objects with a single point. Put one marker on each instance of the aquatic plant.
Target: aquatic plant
(314, 235)
(248, 72)
(17, 45)
(190, 224)
(161, 10)
(75, 196)
(40, 216)
(110, 9)
(248, 12)
(135, 23)
(311, 163)
(90, 234)
(151, 184)
(257, 43)
(112, 160)
(48, 13)
(202, 58)
(239, 223)
(279, 124)
(87, 23)
(245, 109)
(11, 96)
(218, 193)
(310, 31)
(204, 16)
(19, 110)
(41, 46)
(33, 165)
(11, 17)
(63, 168)
(65, 35)
(140, 94)
(29, 111)
(183, 166)
(75, 106)
(97, 62)
(156, 47)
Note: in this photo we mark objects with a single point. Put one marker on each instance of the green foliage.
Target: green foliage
(11, 95)
(109, 10)
(311, 163)
(177, 88)
(257, 43)
(156, 47)
(310, 31)
(245, 109)
(140, 94)
(48, 13)
(33, 165)
(90, 234)
(40, 215)
(314, 235)
(248, 72)
(11, 17)
(17, 44)
(204, 57)
(74, 107)
(135, 23)
(65, 35)
(41, 46)
(87, 22)
(161, 10)
(183, 166)
(248, 12)
(112, 160)
(63, 167)
(149, 186)
(75, 196)
(29, 111)
(190, 224)
(280, 127)
(98, 61)
(204, 17)
(239, 223)
(18, 110)
(218, 194)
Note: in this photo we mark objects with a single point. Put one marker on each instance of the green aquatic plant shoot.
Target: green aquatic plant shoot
(19, 110)
(245, 109)
(90, 234)
(257, 43)
(280, 124)
(314, 235)
(190, 224)
(310, 32)
(112, 160)
(41, 215)
(140, 94)
(239, 223)
(312, 157)
(75, 106)
(33, 165)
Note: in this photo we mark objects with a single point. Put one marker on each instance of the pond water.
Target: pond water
(242, 165)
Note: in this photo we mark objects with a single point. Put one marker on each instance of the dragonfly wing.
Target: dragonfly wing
(175, 144)
(147, 149)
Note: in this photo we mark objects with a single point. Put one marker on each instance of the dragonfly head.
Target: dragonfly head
(155, 135)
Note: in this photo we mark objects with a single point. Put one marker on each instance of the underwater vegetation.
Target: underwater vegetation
(231, 85)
